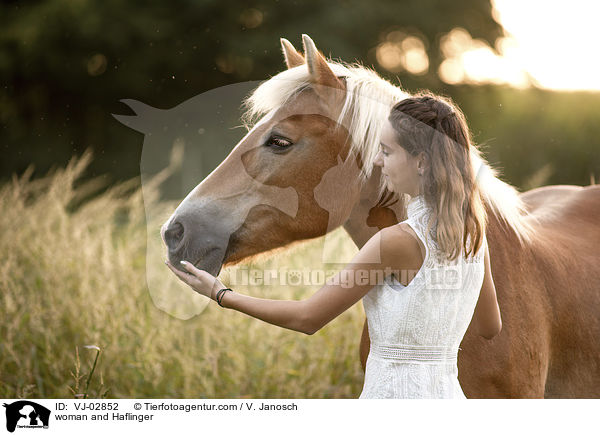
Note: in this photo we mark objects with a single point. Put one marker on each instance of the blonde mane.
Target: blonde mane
(369, 99)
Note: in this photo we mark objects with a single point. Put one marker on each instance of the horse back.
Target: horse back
(568, 249)
(549, 296)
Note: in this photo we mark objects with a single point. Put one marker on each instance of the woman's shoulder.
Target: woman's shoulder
(400, 241)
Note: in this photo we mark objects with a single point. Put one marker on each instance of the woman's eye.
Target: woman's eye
(278, 142)
(384, 153)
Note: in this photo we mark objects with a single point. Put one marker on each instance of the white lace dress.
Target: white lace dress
(415, 330)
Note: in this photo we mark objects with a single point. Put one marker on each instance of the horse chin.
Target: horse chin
(211, 260)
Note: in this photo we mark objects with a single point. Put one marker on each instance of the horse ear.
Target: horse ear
(290, 54)
(320, 73)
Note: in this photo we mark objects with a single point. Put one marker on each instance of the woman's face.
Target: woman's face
(398, 167)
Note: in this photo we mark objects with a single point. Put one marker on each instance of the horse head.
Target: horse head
(286, 180)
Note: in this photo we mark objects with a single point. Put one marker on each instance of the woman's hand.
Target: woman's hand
(199, 280)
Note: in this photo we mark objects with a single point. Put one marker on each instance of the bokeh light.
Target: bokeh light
(473, 61)
(552, 44)
(401, 52)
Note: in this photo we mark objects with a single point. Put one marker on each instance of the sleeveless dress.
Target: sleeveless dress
(415, 330)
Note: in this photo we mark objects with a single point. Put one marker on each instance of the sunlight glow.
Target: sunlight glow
(473, 61)
(552, 44)
(401, 52)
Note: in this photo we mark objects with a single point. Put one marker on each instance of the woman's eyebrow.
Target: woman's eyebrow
(384, 145)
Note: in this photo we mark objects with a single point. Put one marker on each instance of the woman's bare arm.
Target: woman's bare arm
(487, 319)
(380, 254)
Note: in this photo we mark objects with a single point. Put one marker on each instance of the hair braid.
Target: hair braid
(434, 126)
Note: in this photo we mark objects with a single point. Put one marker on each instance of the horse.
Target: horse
(319, 117)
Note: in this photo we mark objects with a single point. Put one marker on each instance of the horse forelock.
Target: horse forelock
(369, 99)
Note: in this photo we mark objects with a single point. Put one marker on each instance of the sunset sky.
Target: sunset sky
(551, 43)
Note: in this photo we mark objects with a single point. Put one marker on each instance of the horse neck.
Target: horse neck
(359, 226)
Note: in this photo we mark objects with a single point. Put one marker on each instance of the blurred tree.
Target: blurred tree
(64, 65)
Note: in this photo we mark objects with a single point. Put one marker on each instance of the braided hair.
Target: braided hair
(434, 126)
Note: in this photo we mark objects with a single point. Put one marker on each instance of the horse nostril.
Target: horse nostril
(173, 234)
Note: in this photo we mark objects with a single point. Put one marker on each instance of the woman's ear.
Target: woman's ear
(422, 163)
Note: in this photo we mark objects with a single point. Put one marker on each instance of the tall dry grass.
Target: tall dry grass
(73, 273)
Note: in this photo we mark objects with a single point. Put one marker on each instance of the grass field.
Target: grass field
(73, 274)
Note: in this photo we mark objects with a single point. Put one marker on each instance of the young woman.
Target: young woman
(416, 320)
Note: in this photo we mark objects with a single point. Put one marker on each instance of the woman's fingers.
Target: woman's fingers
(189, 267)
(199, 280)
(185, 277)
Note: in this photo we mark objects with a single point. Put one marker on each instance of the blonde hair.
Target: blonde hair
(433, 125)
(368, 103)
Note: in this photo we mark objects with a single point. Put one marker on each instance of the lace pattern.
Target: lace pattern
(415, 330)
(426, 354)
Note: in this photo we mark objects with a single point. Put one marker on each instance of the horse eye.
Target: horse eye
(278, 143)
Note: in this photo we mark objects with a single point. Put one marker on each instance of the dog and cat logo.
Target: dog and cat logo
(26, 414)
